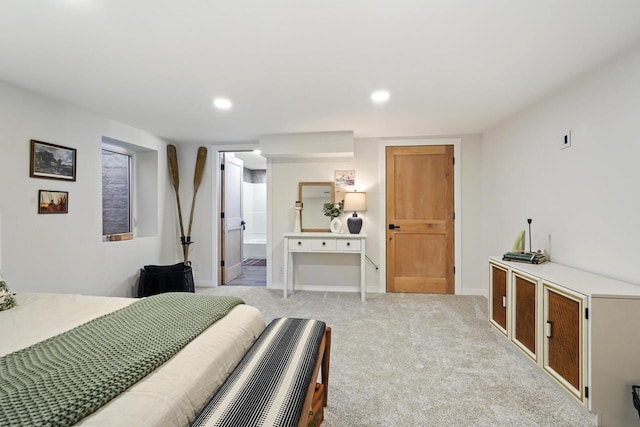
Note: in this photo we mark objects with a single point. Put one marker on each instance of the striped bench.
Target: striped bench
(274, 384)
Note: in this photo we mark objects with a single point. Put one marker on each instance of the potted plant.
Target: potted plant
(333, 211)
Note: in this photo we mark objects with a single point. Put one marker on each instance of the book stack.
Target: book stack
(528, 257)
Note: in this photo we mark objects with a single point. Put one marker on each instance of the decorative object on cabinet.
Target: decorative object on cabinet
(580, 328)
(335, 225)
(518, 245)
(518, 253)
(313, 196)
(636, 397)
(298, 226)
(334, 211)
(528, 257)
(50, 202)
(354, 201)
(52, 161)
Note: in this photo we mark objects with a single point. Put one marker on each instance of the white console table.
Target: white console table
(322, 243)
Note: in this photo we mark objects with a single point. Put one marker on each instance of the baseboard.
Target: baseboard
(205, 284)
(475, 292)
(323, 288)
(351, 288)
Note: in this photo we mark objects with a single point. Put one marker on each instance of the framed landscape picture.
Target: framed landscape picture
(53, 201)
(52, 161)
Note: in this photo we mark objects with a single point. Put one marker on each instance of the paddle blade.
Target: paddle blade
(200, 162)
(172, 159)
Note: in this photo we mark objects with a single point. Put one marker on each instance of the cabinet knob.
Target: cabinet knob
(348, 243)
(299, 243)
(324, 243)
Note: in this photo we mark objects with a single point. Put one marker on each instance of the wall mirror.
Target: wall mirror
(313, 196)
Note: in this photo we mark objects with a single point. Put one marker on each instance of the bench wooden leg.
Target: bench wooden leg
(322, 364)
(326, 356)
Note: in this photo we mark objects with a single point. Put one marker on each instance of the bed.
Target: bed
(171, 395)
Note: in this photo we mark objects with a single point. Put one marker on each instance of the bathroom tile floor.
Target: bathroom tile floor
(254, 273)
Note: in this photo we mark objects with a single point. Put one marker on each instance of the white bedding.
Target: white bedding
(174, 393)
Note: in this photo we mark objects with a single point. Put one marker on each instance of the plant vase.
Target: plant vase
(335, 225)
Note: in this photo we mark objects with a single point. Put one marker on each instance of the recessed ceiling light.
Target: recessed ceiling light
(380, 96)
(222, 103)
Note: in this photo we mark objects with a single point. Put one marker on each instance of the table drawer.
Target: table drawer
(349, 245)
(323, 244)
(299, 244)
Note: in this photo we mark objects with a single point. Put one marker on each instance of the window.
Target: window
(116, 192)
(129, 190)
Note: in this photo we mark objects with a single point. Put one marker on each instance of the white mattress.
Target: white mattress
(174, 393)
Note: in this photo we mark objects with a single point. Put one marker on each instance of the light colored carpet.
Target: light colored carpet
(421, 360)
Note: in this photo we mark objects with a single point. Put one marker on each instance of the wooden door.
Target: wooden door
(420, 252)
(231, 241)
(498, 297)
(563, 338)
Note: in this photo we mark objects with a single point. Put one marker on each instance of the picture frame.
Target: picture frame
(345, 181)
(53, 202)
(51, 161)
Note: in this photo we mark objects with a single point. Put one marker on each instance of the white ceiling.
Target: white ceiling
(452, 66)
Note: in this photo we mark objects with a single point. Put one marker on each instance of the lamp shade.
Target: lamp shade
(355, 202)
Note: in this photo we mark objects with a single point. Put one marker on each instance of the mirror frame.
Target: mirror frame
(309, 184)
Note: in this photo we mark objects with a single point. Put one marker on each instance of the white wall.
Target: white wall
(326, 270)
(64, 252)
(583, 200)
(284, 176)
(254, 210)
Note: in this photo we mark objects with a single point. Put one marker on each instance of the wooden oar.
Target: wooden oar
(174, 175)
(197, 178)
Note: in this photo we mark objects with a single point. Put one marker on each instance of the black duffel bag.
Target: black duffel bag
(156, 279)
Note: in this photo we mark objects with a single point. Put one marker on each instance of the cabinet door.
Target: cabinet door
(524, 329)
(564, 337)
(498, 298)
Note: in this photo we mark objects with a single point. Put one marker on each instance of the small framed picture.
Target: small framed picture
(50, 202)
(52, 161)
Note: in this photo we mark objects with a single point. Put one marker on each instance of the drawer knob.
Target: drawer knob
(324, 243)
(348, 243)
(299, 243)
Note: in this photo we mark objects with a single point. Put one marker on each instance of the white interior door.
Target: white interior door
(232, 220)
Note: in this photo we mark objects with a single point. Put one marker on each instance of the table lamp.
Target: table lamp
(355, 202)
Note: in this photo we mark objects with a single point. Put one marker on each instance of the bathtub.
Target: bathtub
(255, 247)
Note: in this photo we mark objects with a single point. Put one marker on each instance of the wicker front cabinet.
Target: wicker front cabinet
(580, 328)
(524, 291)
(498, 297)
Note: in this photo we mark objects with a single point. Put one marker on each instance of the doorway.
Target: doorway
(243, 219)
(420, 219)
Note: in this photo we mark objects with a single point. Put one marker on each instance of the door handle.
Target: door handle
(393, 227)
(548, 329)
(504, 301)
(242, 223)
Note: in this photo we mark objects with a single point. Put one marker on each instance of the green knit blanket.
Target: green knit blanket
(61, 380)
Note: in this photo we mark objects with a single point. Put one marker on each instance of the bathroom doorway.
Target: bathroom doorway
(253, 220)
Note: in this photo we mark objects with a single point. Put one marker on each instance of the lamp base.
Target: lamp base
(354, 224)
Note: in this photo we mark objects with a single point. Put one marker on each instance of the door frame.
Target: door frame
(216, 149)
(457, 202)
